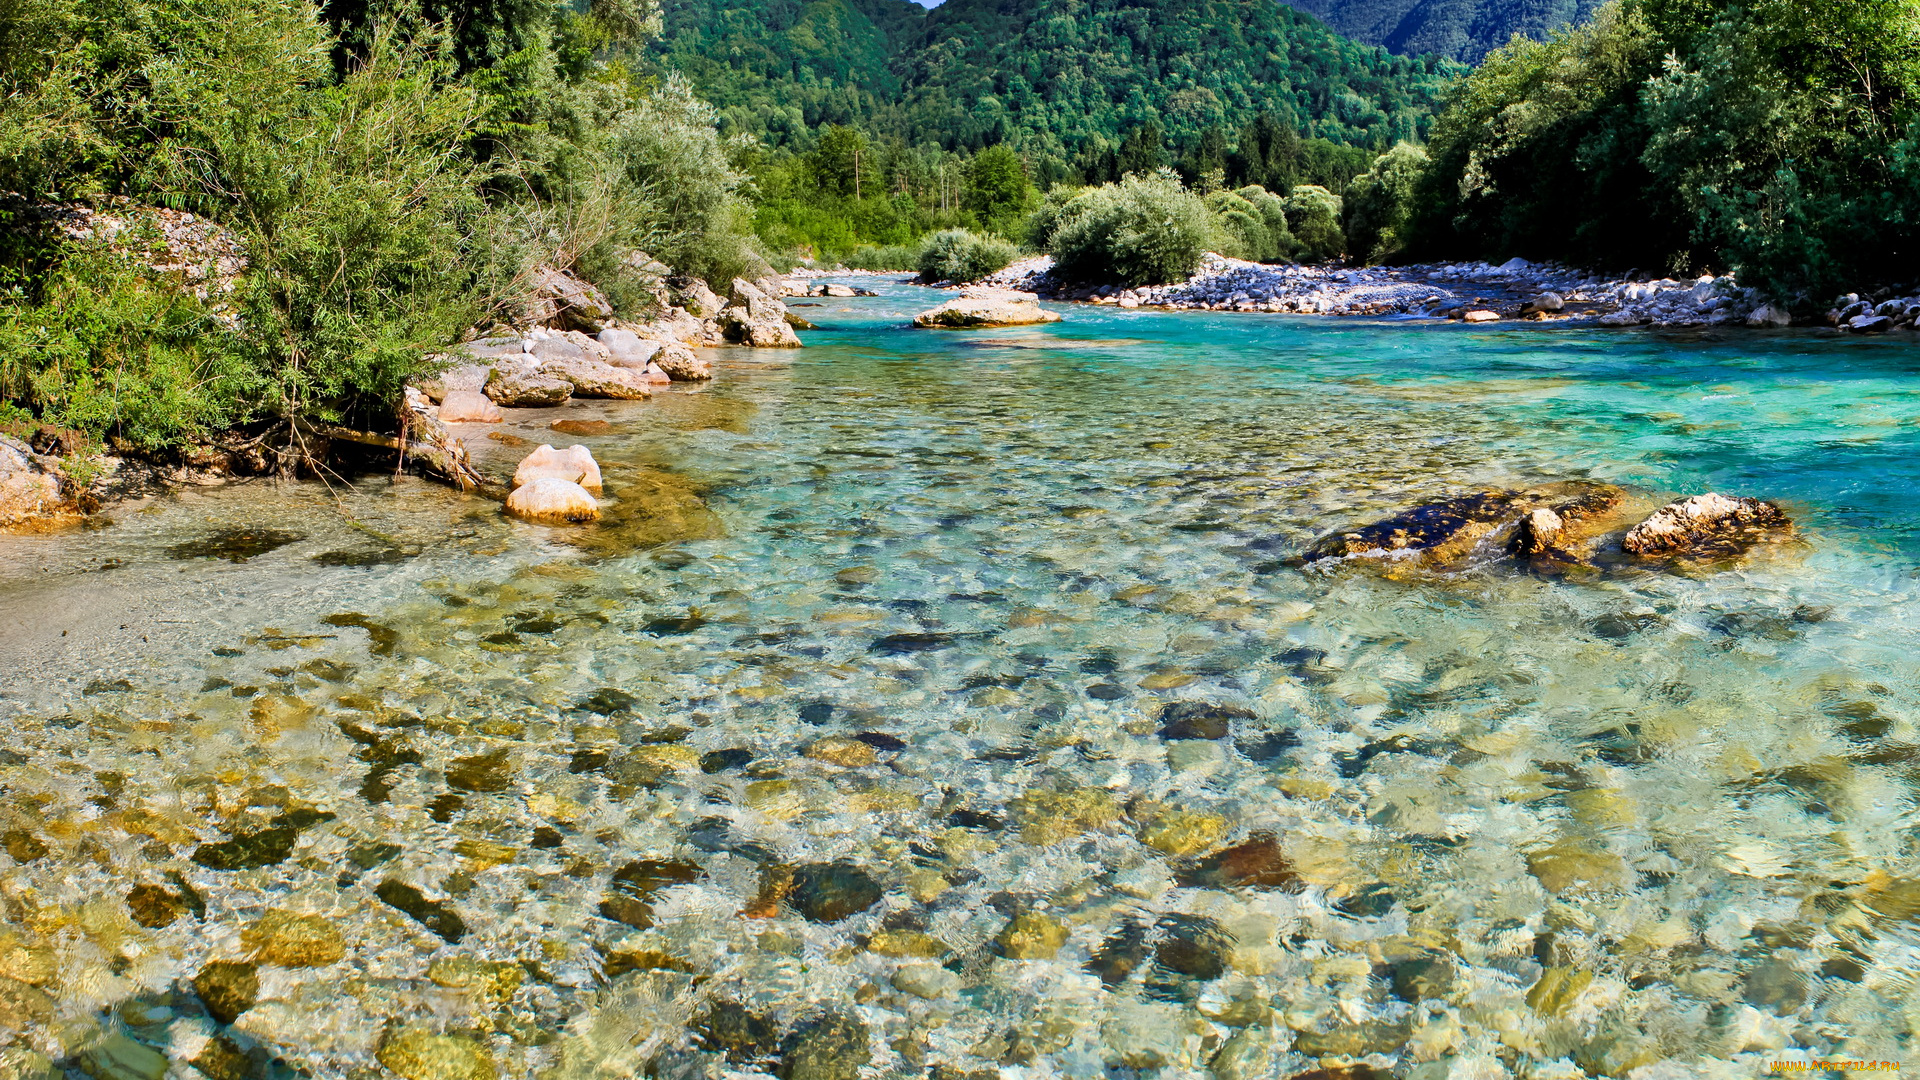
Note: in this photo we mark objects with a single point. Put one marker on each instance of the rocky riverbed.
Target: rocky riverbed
(963, 706)
(1473, 292)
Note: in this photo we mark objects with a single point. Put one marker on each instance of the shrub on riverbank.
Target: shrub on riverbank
(1251, 223)
(391, 182)
(958, 255)
(1374, 207)
(1777, 138)
(1313, 213)
(1144, 230)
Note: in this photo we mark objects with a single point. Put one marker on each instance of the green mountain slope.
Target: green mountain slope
(1050, 76)
(779, 67)
(1462, 29)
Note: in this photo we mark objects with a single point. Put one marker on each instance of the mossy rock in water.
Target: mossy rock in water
(287, 939)
(227, 988)
(1441, 530)
(420, 1055)
(649, 509)
(235, 545)
(435, 915)
(1031, 935)
(829, 892)
(266, 847)
(831, 1047)
(744, 1036)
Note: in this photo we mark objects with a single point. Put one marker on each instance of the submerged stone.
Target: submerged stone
(265, 847)
(286, 939)
(420, 1055)
(227, 988)
(732, 1029)
(436, 915)
(1259, 863)
(1048, 817)
(830, 892)
(1120, 955)
(1031, 935)
(830, 1047)
(153, 906)
(1199, 720)
(235, 545)
(631, 890)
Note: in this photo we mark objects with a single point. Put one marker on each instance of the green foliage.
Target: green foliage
(395, 172)
(1143, 230)
(1052, 78)
(113, 350)
(1463, 31)
(1313, 213)
(1776, 139)
(957, 255)
(1538, 155)
(890, 257)
(1251, 223)
(1375, 205)
(998, 192)
(358, 201)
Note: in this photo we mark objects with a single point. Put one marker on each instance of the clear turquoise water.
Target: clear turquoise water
(1640, 821)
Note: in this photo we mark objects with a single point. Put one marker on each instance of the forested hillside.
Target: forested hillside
(1050, 77)
(1460, 29)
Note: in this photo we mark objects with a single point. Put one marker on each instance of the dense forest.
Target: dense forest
(1459, 29)
(1779, 138)
(1050, 77)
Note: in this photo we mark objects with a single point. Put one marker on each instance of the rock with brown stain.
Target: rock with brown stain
(1707, 526)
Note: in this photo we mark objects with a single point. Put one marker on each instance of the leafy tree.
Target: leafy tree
(1143, 230)
(1374, 207)
(957, 255)
(998, 192)
(1251, 223)
(1268, 154)
(1313, 215)
(839, 159)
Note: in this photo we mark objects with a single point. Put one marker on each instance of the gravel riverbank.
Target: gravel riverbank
(1474, 292)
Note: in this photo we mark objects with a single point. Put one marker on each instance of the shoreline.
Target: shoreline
(1516, 290)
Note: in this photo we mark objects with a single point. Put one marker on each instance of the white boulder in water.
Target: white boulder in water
(991, 309)
(552, 501)
(575, 465)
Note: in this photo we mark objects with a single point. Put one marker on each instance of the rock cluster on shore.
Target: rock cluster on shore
(1471, 292)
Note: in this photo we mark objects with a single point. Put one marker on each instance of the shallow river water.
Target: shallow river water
(948, 704)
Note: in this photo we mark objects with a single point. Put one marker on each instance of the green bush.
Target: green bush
(1375, 205)
(116, 351)
(1144, 230)
(358, 201)
(1313, 213)
(884, 257)
(1251, 223)
(958, 255)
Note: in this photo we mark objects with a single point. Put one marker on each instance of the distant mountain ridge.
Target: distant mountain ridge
(1463, 30)
(1050, 76)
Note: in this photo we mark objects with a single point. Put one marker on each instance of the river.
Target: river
(949, 701)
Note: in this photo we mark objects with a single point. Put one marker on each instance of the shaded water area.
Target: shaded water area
(948, 704)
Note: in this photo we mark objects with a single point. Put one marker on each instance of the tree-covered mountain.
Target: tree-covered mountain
(1461, 29)
(1052, 77)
